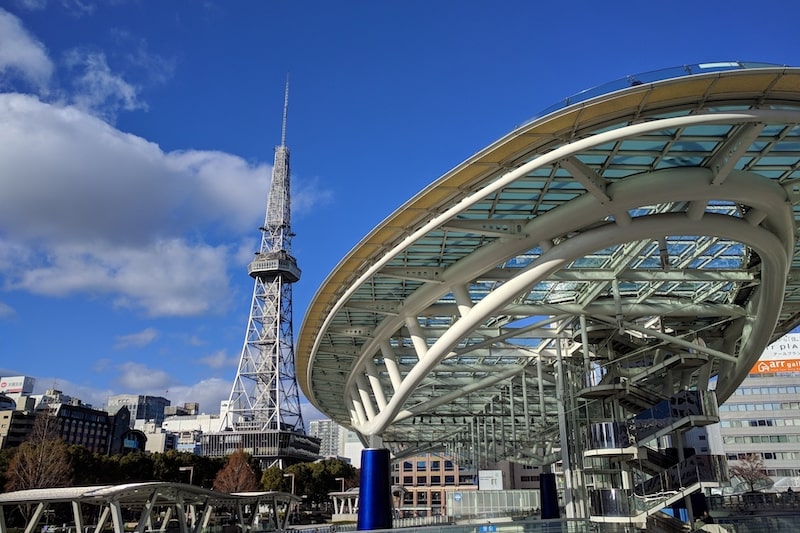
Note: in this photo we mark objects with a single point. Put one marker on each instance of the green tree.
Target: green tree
(272, 479)
(91, 468)
(135, 466)
(318, 479)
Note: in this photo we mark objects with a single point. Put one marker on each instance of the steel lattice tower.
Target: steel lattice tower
(264, 403)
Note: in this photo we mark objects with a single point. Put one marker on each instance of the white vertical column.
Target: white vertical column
(563, 431)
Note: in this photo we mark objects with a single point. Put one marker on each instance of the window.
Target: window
(422, 466)
(435, 465)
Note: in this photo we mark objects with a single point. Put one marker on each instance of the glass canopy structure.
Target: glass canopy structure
(630, 244)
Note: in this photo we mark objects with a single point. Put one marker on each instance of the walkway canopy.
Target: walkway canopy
(156, 505)
(642, 232)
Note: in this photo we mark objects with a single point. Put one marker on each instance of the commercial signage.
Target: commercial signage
(787, 347)
(782, 355)
(490, 480)
(16, 385)
(776, 365)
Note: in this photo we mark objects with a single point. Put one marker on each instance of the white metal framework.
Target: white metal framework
(161, 506)
(265, 397)
(642, 235)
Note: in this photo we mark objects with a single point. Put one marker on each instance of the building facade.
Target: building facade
(329, 433)
(78, 424)
(143, 408)
(762, 417)
(427, 479)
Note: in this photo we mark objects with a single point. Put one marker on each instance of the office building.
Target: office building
(762, 417)
(426, 480)
(143, 408)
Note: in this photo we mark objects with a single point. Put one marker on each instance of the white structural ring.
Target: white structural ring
(666, 186)
(770, 249)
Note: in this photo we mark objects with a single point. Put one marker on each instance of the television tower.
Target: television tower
(264, 404)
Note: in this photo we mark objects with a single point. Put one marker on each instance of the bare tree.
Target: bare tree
(41, 461)
(750, 470)
(237, 475)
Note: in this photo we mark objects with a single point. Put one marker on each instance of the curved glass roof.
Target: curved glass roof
(636, 226)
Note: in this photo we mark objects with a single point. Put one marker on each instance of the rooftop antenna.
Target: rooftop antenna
(285, 111)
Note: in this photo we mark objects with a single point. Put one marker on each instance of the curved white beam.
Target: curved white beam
(753, 115)
(769, 247)
(660, 187)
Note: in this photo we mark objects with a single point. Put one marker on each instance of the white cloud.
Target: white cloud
(87, 208)
(309, 195)
(141, 338)
(219, 359)
(21, 55)
(98, 90)
(6, 311)
(32, 5)
(143, 380)
(150, 66)
(208, 393)
(75, 7)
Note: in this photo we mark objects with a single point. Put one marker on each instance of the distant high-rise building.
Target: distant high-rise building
(337, 441)
(143, 408)
(328, 432)
(262, 415)
(762, 417)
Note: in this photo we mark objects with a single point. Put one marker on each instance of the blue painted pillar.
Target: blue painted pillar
(549, 492)
(375, 492)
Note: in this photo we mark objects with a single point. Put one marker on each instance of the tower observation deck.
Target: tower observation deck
(263, 415)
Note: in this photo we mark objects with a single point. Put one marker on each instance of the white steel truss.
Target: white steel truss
(264, 396)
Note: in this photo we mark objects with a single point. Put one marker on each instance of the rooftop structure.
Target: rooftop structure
(173, 506)
(598, 271)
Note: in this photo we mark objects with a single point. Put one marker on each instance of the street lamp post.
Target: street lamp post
(189, 469)
(291, 475)
(291, 503)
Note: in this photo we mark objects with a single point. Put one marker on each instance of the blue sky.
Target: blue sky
(137, 136)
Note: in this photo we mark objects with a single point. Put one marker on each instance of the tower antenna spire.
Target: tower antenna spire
(285, 111)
